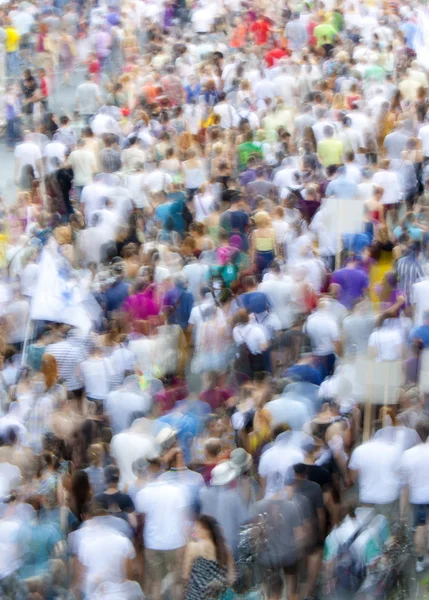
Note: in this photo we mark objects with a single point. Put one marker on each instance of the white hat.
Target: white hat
(241, 460)
(224, 473)
(166, 436)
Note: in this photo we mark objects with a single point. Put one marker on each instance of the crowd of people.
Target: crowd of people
(182, 413)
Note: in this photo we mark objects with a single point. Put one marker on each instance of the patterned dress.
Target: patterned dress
(207, 581)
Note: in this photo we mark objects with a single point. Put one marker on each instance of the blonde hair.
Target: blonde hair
(262, 219)
(338, 101)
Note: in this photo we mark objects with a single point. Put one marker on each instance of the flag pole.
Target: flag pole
(28, 333)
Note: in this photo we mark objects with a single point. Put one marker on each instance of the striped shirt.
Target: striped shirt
(409, 271)
(68, 357)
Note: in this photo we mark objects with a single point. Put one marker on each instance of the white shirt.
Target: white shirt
(93, 197)
(164, 506)
(135, 186)
(420, 298)
(104, 555)
(276, 465)
(228, 115)
(97, 373)
(54, 150)
(264, 89)
(158, 181)
(279, 293)
(28, 153)
(323, 332)
(285, 86)
(389, 181)
(83, 164)
(252, 335)
(10, 477)
(378, 466)
(121, 404)
(23, 22)
(202, 20)
(424, 138)
(387, 342)
(413, 470)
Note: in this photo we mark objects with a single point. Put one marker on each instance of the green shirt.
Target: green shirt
(330, 152)
(324, 30)
(246, 150)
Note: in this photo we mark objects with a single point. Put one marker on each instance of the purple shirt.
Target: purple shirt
(353, 283)
(102, 44)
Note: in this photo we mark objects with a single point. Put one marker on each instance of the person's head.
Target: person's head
(262, 219)
(111, 476)
(241, 317)
(64, 120)
(95, 455)
(207, 528)
(328, 131)
(212, 449)
(249, 283)
(300, 471)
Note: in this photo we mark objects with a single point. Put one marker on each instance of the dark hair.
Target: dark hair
(422, 429)
(213, 528)
(80, 490)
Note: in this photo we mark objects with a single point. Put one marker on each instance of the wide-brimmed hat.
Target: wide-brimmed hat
(166, 436)
(241, 460)
(224, 473)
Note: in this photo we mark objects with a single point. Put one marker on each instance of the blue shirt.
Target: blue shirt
(421, 333)
(115, 295)
(254, 302)
(192, 93)
(342, 188)
(182, 301)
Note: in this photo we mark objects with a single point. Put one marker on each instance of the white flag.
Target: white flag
(60, 294)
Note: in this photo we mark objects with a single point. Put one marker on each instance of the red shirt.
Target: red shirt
(312, 39)
(261, 31)
(274, 55)
(44, 87)
(94, 67)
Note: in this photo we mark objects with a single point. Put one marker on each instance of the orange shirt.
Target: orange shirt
(239, 36)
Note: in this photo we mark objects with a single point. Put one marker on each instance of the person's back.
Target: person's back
(353, 283)
(377, 463)
(88, 98)
(226, 506)
(68, 357)
(282, 520)
(164, 506)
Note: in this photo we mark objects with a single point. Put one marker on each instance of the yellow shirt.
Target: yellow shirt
(330, 152)
(12, 39)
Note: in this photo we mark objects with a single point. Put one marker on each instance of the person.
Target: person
(410, 466)
(223, 502)
(83, 165)
(164, 506)
(208, 563)
(112, 500)
(88, 98)
(353, 283)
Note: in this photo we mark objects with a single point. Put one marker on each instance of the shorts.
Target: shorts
(420, 514)
(161, 562)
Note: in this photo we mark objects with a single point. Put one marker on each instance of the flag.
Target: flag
(61, 295)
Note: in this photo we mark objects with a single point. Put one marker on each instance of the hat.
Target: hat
(224, 473)
(241, 460)
(166, 436)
